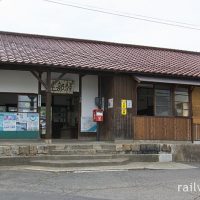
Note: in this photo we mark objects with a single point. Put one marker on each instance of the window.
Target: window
(8, 102)
(162, 100)
(163, 105)
(181, 102)
(27, 103)
(145, 100)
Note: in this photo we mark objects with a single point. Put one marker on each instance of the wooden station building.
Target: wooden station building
(49, 87)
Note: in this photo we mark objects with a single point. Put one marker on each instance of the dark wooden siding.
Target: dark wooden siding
(106, 127)
(115, 125)
(161, 128)
(123, 89)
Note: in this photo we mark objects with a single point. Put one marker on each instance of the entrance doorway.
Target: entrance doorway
(65, 114)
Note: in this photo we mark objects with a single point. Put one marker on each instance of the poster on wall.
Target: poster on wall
(9, 121)
(32, 122)
(87, 124)
(43, 119)
(19, 122)
(1, 122)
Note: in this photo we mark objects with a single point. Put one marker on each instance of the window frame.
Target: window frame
(22, 94)
(143, 86)
(35, 107)
(163, 87)
(173, 88)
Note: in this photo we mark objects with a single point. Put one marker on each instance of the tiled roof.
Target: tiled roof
(93, 55)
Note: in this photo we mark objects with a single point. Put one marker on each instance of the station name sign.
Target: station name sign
(62, 87)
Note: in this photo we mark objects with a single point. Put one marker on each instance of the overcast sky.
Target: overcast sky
(42, 17)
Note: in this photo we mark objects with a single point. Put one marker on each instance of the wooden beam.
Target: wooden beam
(37, 76)
(48, 107)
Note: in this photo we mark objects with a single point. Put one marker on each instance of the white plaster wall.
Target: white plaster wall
(71, 77)
(18, 82)
(89, 92)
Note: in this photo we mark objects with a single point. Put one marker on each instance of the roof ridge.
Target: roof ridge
(99, 42)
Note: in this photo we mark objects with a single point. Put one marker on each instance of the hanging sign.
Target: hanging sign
(63, 87)
(124, 111)
(123, 103)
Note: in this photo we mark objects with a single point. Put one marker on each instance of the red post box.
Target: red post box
(97, 115)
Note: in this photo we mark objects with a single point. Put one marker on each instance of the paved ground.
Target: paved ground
(20, 184)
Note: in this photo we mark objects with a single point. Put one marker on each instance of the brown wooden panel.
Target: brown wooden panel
(115, 125)
(196, 132)
(161, 128)
(196, 105)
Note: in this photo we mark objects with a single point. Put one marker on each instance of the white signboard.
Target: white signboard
(110, 103)
(63, 87)
(129, 104)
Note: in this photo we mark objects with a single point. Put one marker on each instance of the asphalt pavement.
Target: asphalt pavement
(144, 184)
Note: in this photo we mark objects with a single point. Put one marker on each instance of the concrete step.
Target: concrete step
(131, 157)
(74, 152)
(108, 147)
(78, 146)
(105, 151)
(74, 157)
(82, 151)
(80, 163)
(28, 160)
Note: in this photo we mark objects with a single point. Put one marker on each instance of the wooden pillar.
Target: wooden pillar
(39, 99)
(191, 113)
(48, 107)
(80, 105)
(100, 97)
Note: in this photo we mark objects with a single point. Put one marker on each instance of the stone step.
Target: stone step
(105, 151)
(27, 160)
(80, 163)
(73, 152)
(74, 157)
(108, 147)
(82, 151)
(131, 157)
(78, 146)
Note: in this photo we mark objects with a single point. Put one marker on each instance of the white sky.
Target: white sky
(41, 17)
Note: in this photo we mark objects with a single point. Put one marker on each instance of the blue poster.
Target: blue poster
(1, 122)
(9, 121)
(19, 121)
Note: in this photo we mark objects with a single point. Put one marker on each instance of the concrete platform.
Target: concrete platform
(130, 166)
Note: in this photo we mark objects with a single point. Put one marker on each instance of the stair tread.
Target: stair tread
(81, 161)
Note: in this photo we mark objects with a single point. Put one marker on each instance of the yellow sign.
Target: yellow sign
(124, 111)
(123, 103)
